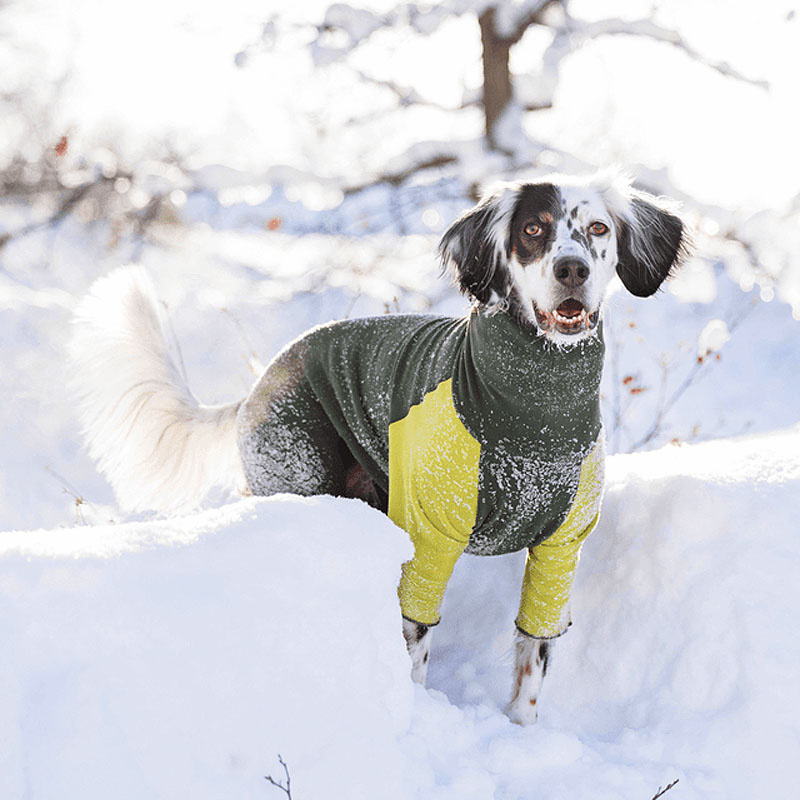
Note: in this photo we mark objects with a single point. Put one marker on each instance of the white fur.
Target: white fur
(529, 671)
(537, 283)
(419, 649)
(159, 448)
(505, 202)
(606, 197)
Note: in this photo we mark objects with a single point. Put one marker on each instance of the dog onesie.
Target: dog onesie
(479, 435)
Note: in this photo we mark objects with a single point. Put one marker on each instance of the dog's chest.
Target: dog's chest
(493, 455)
(535, 410)
(524, 493)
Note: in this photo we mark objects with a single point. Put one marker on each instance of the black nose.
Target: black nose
(571, 272)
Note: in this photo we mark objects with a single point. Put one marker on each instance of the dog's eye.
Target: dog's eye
(533, 229)
(598, 228)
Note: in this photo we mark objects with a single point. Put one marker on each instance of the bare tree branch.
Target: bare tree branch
(288, 787)
(663, 791)
(400, 176)
(70, 199)
(534, 15)
(406, 95)
(666, 405)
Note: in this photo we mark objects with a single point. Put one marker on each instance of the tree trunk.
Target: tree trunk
(496, 74)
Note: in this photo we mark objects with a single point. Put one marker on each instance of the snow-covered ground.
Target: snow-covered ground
(172, 658)
(177, 658)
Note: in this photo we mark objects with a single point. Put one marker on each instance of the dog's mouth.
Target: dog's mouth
(570, 317)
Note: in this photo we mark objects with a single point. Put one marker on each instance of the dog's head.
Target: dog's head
(548, 250)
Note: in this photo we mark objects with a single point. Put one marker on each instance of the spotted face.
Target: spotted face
(548, 250)
(563, 254)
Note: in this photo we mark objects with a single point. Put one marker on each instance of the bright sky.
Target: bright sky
(156, 70)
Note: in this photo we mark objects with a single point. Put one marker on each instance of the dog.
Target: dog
(481, 434)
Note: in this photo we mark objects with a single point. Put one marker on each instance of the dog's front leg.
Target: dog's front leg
(531, 658)
(418, 642)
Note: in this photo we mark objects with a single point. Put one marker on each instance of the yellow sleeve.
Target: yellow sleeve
(550, 566)
(433, 494)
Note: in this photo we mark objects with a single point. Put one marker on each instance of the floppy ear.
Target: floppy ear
(476, 248)
(652, 243)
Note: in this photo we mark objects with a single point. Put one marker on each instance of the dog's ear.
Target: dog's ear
(475, 248)
(652, 243)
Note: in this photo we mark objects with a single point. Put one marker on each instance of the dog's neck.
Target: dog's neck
(526, 382)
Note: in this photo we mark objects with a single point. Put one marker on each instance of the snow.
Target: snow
(148, 658)
(175, 658)
(178, 657)
(712, 338)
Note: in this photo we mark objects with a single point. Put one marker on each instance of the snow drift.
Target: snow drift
(177, 658)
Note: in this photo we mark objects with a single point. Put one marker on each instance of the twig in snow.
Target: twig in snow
(666, 405)
(288, 787)
(252, 358)
(72, 492)
(351, 305)
(663, 791)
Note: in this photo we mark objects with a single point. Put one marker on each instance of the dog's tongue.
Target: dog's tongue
(570, 308)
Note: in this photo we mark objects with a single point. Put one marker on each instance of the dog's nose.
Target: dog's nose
(571, 272)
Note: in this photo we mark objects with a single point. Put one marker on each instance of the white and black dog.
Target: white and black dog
(480, 435)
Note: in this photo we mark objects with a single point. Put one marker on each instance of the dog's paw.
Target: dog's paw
(522, 712)
(418, 642)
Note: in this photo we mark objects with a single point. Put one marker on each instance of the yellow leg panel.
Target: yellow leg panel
(550, 567)
(433, 494)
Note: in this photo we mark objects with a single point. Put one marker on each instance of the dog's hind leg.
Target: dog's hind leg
(286, 441)
(531, 659)
(418, 642)
(358, 484)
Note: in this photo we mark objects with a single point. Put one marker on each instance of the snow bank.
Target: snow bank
(682, 660)
(177, 658)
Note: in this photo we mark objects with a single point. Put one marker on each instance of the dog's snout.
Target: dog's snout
(571, 272)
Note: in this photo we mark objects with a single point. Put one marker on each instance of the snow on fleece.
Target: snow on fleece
(176, 658)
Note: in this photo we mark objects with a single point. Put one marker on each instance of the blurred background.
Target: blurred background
(279, 164)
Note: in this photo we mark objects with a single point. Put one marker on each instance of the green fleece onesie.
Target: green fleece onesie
(486, 436)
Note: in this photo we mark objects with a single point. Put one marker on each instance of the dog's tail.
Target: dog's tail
(159, 448)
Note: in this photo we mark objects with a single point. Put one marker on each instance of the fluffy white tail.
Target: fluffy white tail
(159, 448)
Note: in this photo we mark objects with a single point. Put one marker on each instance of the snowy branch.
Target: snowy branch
(406, 95)
(648, 29)
(345, 28)
(350, 27)
(512, 23)
(65, 206)
(100, 188)
(400, 176)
